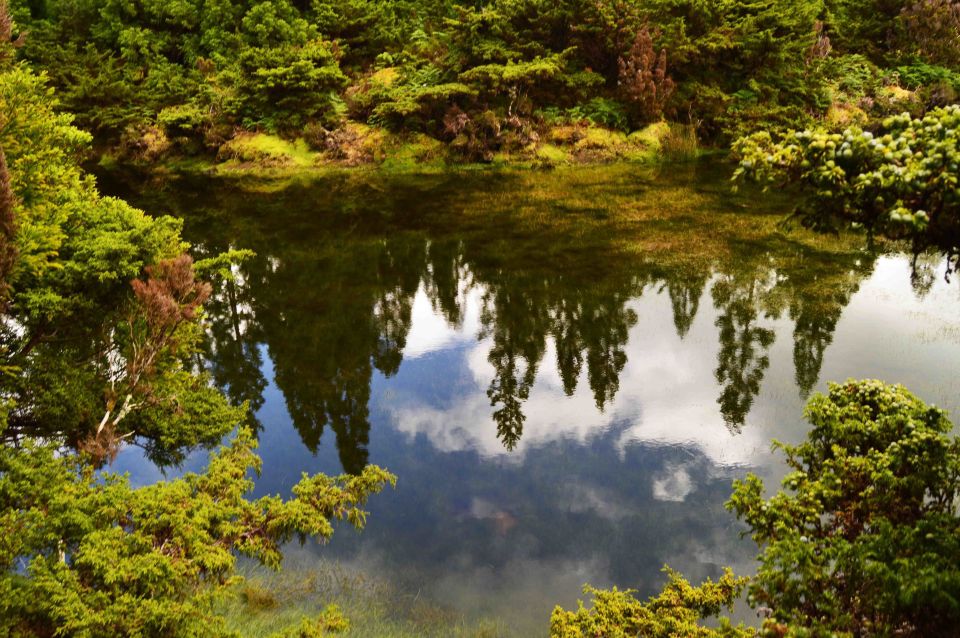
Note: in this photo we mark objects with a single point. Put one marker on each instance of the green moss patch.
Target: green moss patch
(268, 151)
(552, 154)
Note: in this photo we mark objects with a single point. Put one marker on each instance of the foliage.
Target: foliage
(283, 87)
(742, 65)
(602, 111)
(674, 613)
(918, 75)
(863, 540)
(198, 70)
(329, 621)
(408, 102)
(932, 30)
(643, 78)
(91, 362)
(99, 339)
(104, 559)
(181, 120)
(865, 27)
(935, 85)
(900, 181)
(853, 74)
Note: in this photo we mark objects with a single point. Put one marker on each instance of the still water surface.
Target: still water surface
(565, 369)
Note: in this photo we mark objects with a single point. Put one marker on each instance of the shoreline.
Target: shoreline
(265, 156)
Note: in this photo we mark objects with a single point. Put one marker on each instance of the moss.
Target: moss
(600, 139)
(641, 153)
(266, 150)
(551, 154)
(584, 144)
(663, 141)
(567, 134)
(261, 157)
(650, 137)
(362, 144)
(841, 116)
(413, 150)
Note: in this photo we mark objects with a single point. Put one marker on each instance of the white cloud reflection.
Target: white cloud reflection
(429, 330)
(667, 393)
(673, 485)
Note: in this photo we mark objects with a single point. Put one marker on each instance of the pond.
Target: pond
(565, 369)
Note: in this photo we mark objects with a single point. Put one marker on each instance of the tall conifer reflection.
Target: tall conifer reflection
(329, 295)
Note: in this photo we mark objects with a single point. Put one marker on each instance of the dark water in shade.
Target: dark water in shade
(565, 369)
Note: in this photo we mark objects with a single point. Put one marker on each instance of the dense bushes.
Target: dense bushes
(900, 181)
(727, 67)
(104, 559)
(676, 612)
(864, 542)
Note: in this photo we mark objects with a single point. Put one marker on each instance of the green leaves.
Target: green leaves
(674, 613)
(72, 305)
(197, 70)
(514, 74)
(285, 86)
(109, 560)
(901, 182)
(863, 537)
(102, 330)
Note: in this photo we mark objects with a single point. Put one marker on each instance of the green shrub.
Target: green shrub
(283, 88)
(864, 538)
(900, 181)
(183, 120)
(603, 112)
(330, 621)
(674, 613)
(919, 75)
(854, 75)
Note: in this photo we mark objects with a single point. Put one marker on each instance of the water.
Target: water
(565, 369)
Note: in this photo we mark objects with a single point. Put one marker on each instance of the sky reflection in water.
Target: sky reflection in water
(565, 370)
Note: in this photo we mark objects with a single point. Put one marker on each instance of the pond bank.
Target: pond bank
(359, 146)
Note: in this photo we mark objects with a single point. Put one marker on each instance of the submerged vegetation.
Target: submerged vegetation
(266, 603)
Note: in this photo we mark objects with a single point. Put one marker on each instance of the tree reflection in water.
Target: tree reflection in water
(339, 262)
